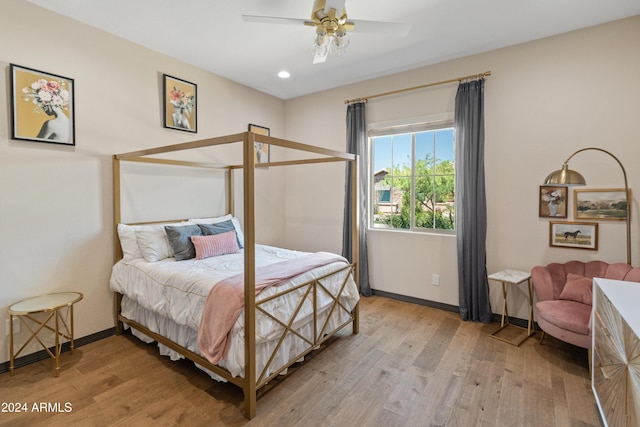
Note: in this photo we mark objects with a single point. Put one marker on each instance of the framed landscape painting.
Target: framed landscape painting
(600, 204)
(578, 235)
(42, 106)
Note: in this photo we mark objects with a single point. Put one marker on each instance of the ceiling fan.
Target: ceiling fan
(329, 17)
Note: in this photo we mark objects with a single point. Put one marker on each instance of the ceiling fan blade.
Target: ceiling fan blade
(338, 5)
(379, 27)
(275, 20)
(320, 58)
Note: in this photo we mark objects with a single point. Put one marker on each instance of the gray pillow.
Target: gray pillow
(179, 237)
(219, 227)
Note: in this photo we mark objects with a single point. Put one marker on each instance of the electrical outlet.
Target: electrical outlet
(16, 326)
(435, 280)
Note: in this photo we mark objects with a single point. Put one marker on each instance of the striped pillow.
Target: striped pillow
(215, 245)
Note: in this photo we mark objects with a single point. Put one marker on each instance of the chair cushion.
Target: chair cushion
(570, 315)
(578, 288)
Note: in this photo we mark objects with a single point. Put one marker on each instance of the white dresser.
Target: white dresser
(615, 371)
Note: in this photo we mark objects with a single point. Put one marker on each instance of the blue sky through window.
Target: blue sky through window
(396, 149)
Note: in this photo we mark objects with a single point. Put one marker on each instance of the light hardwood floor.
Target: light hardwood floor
(410, 366)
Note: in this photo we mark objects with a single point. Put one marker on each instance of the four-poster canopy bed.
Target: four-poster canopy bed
(290, 319)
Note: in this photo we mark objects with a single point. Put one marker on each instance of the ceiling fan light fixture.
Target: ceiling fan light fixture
(331, 23)
(321, 39)
(340, 41)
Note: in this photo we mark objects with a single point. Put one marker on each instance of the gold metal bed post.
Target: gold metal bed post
(249, 387)
(117, 249)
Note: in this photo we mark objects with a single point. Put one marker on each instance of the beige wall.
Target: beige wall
(56, 215)
(544, 100)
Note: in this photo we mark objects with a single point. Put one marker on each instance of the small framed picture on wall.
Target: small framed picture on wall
(180, 104)
(552, 202)
(42, 106)
(577, 235)
(600, 204)
(262, 151)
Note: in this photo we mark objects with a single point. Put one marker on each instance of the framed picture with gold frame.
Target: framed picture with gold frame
(43, 107)
(600, 204)
(262, 151)
(180, 104)
(577, 235)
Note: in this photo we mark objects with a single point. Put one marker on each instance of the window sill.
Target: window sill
(439, 233)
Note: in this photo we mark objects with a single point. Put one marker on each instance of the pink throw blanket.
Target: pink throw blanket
(226, 299)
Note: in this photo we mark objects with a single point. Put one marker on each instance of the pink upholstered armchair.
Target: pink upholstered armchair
(563, 292)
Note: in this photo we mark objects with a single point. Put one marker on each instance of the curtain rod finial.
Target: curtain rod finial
(351, 101)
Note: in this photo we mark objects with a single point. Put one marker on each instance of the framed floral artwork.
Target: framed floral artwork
(42, 106)
(261, 150)
(180, 104)
(577, 235)
(600, 204)
(552, 202)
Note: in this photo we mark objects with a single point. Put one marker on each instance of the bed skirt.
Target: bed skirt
(187, 337)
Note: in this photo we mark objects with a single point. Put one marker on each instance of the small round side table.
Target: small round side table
(52, 304)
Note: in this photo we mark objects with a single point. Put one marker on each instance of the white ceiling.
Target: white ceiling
(211, 34)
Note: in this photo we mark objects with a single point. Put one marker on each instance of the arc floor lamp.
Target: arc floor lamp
(566, 176)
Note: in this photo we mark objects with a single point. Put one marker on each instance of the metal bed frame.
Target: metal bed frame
(252, 380)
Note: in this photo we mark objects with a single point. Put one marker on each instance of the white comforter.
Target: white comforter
(178, 289)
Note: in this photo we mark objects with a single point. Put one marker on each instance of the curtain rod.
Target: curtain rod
(457, 79)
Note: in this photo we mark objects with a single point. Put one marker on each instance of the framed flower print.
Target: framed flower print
(262, 151)
(552, 202)
(42, 106)
(180, 104)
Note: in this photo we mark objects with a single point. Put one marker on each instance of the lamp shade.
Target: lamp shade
(565, 176)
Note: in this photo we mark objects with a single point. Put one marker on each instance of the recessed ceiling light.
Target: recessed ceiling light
(284, 74)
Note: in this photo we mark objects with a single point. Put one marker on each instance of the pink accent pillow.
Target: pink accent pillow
(215, 245)
(578, 288)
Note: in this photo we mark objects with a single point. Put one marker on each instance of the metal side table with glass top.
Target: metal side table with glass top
(53, 306)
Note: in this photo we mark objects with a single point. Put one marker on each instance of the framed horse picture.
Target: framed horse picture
(577, 235)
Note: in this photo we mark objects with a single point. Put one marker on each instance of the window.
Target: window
(413, 178)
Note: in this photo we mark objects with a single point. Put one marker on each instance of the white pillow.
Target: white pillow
(154, 243)
(239, 233)
(145, 241)
(128, 242)
(214, 220)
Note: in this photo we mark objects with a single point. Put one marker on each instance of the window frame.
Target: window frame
(425, 124)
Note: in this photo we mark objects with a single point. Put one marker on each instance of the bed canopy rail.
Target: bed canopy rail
(250, 383)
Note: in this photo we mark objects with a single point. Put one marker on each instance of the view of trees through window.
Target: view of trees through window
(413, 180)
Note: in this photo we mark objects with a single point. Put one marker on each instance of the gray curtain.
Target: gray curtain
(357, 144)
(471, 206)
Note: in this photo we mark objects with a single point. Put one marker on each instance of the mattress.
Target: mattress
(168, 296)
